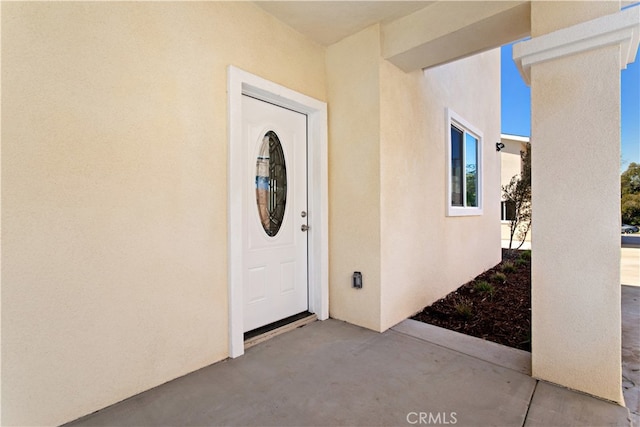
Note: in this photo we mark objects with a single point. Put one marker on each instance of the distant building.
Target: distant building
(510, 165)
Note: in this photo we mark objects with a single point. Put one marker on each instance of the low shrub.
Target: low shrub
(499, 277)
(464, 310)
(508, 267)
(485, 287)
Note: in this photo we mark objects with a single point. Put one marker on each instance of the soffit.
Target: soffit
(327, 22)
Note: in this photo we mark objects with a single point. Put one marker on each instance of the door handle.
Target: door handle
(304, 227)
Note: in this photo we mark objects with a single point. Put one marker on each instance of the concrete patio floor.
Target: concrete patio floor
(631, 350)
(335, 374)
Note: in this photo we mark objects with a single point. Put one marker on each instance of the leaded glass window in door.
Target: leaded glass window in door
(271, 183)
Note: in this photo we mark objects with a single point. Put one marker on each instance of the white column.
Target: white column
(574, 73)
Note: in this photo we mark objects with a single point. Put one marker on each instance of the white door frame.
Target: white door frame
(243, 83)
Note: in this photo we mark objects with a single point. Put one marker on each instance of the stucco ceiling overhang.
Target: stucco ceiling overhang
(415, 34)
(327, 22)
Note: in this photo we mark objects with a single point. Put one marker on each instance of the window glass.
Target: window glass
(471, 166)
(456, 166)
(271, 184)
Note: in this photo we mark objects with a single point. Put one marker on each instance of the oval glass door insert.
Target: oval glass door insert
(271, 183)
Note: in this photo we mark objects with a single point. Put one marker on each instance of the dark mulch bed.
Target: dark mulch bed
(498, 310)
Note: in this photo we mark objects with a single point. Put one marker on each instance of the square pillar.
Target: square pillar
(574, 73)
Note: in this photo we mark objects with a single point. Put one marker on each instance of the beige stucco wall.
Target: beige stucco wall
(353, 88)
(575, 103)
(387, 180)
(425, 254)
(553, 15)
(114, 190)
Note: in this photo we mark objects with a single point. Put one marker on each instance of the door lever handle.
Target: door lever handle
(304, 227)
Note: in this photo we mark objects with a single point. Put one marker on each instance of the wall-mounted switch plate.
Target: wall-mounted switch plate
(357, 280)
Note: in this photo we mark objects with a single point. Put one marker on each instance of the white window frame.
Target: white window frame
(454, 119)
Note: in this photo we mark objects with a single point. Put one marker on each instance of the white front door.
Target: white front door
(275, 213)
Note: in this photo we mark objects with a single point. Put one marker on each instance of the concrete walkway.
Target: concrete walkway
(335, 374)
(631, 350)
(629, 259)
(630, 266)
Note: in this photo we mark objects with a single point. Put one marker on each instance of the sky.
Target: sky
(516, 105)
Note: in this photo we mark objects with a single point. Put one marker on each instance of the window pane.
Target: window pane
(471, 159)
(456, 166)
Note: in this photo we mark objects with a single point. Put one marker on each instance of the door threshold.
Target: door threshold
(267, 332)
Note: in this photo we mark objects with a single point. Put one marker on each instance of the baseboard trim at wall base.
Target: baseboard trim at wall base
(257, 339)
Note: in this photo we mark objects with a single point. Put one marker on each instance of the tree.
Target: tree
(630, 194)
(517, 194)
(472, 179)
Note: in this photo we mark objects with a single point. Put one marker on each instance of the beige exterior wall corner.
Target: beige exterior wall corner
(425, 254)
(576, 267)
(353, 90)
(387, 180)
